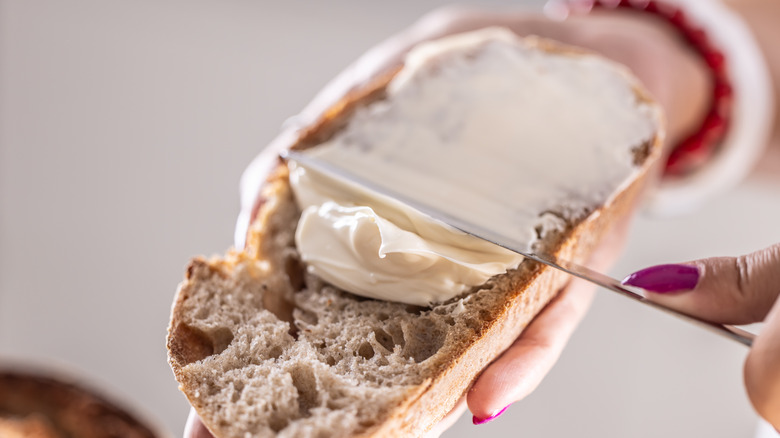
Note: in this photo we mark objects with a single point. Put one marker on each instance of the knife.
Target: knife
(496, 237)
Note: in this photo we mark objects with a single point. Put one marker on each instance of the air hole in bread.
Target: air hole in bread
(190, 344)
(423, 339)
(275, 352)
(203, 313)
(484, 315)
(385, 339)
(281, 308)
(366, 351)
(474, 324)
(295, 272)
(238, 388)
(416, 310)
(277, 421)
(221, 337)
(306, 316)
(305, 383)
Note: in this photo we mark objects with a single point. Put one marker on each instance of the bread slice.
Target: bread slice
(261, 347)
(30, 426)
(41, 406)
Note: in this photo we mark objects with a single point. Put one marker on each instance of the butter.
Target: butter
(482, 125)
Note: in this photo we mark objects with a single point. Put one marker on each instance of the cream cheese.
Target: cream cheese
(482, 125)
(376, 247)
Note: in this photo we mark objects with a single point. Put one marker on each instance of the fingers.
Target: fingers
(731, 290)
(520, 369)
(762, 370)
(195, 428)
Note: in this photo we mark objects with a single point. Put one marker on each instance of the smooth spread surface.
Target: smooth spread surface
(374, 246)
(483, 126)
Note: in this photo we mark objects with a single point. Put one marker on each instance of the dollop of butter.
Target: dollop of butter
(376, 247)
(483, 126)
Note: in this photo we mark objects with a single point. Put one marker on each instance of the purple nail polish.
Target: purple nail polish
(477, 421)
(664, 279)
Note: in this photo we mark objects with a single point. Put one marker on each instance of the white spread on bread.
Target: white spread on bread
(374, 246)
(484, 126)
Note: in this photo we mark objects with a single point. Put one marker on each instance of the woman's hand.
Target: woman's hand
(195, 428)
(730, 290)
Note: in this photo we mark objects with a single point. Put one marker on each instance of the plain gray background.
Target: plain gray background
(124, 128)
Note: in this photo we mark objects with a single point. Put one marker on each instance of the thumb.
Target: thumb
(730, 290)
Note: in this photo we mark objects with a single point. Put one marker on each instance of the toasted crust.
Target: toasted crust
(38, 405)
(523, 294)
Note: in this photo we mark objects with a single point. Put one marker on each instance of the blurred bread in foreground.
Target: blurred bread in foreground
(42, 406)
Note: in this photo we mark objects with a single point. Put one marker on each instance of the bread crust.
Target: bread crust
(430, 401)
(40, 405)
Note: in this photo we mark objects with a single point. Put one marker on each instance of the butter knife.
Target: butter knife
(496, 237)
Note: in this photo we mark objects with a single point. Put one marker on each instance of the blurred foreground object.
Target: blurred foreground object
(41, 406)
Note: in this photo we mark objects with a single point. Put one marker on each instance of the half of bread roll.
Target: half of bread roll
(262, 347)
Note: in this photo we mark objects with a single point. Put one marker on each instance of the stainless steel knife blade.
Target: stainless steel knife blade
(496, 237)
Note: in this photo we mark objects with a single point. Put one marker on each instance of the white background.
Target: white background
(124, 128)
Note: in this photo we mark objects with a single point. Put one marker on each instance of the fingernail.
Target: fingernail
(478, 421)
(664, 279)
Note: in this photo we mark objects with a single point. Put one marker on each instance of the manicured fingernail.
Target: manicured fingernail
(664, 279)
(477, 420)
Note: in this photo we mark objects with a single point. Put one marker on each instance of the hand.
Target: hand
(640, 44)
(195, 428)
(731, 290)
